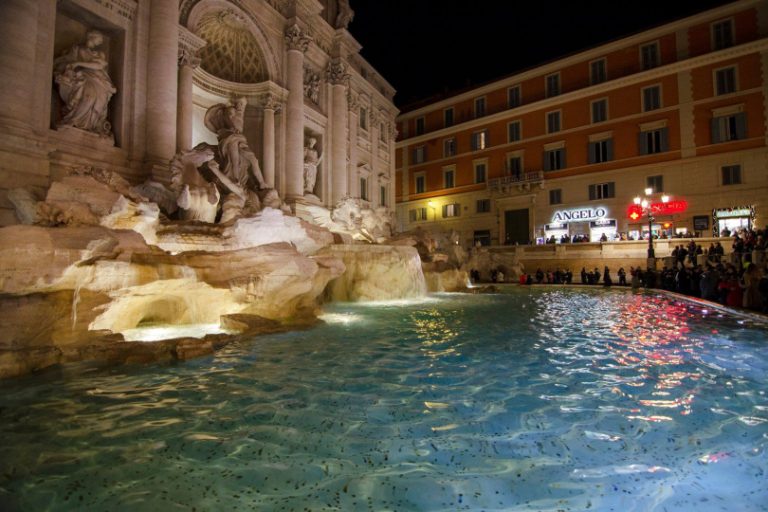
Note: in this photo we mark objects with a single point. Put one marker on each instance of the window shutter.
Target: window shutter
(563, 165)
(457, 209)
(474, 142)
(592, 192)
(412, 215)
(741, 125)
(643, 143)
(716, 135)
(592, 152)
(612, 189)
(547, 166)
(609, 149)
(664, 136)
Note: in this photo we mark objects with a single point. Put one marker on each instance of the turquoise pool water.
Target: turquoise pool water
(533, 399)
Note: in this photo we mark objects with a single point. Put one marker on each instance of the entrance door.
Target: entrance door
(516, 227)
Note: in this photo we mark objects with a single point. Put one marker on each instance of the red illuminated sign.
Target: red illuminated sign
(635, 211)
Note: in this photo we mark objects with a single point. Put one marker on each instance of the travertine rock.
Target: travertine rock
(376, 272)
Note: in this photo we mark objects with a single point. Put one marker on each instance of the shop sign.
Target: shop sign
(579, 214)
(603, 223)
(556, 226)
(635, 211)
(725, 213)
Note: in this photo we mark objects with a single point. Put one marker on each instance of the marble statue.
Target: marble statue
(311, 160)
(312, 86)
(197, 197)
(239, 163)
(85, 86)
(345, 16)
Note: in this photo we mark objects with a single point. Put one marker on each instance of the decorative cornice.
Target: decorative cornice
(189, 45)
(602, 88)
(297, 39)
(124, 8)
(336, 73)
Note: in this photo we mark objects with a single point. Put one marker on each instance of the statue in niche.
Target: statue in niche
(85, 86)
(345, 16)
(311, 160)
(312, 86)
(239, 163)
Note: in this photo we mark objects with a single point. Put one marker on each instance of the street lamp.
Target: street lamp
(647, 206)
(432, 205)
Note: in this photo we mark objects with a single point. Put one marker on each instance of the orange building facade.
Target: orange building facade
(561, 150)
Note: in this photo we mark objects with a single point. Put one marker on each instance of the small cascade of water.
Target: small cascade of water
(75, 302)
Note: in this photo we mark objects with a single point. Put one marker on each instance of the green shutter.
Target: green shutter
(611, 189)
(741, 125)
(664, 136)
(609, 147)
(642, 143)
(592, 151)
(715, 129)
(592, 192)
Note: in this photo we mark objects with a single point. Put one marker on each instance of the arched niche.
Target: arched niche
(238, 49)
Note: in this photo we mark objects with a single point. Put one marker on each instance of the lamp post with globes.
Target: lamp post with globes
(647, 205)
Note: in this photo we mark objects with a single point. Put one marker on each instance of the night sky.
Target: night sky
(426, 48)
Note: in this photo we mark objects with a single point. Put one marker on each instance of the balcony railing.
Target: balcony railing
(516, 182)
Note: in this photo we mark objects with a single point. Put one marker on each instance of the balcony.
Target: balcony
(516, 183)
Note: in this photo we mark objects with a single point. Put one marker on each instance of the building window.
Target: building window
(482, 237)
(480, 172)
(656, 183)
(722, 34)
(480, 140)
(554, 159)
(653, 141)
(419, 125)
(448, 117)
(731, 175)
(421, 183)
(597, 72)
(449, 147)
(448, 178)
(514, 131)
(515, 165)
(553, 85)
(363, 188)
(363, 119)
(483, 205)
(651, 98)
(514, 96)
(649, 55)
(599, 110)
(382, 195)
(725, 81)
(556, 196)
(553, 122)
(728, 128)
(602, 191)
(479, 107)
(451, 210)
(417, 214)
(420, 154)
(601, 151)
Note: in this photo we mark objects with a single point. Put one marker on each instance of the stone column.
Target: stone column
(297, 42)
(338, 78)
(271, 106)
(353, 106)
(187, 64)
(392, 172)
(162, 82)
(18, 41)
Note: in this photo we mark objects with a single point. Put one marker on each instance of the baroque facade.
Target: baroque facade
(562, 149)
(125, 86)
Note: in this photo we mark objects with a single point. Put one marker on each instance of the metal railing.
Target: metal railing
(504, 183)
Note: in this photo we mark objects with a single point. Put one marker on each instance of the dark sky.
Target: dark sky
(428, 47)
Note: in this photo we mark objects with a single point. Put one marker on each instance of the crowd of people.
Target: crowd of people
(733, 280)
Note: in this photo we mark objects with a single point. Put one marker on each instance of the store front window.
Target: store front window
(726, 221)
